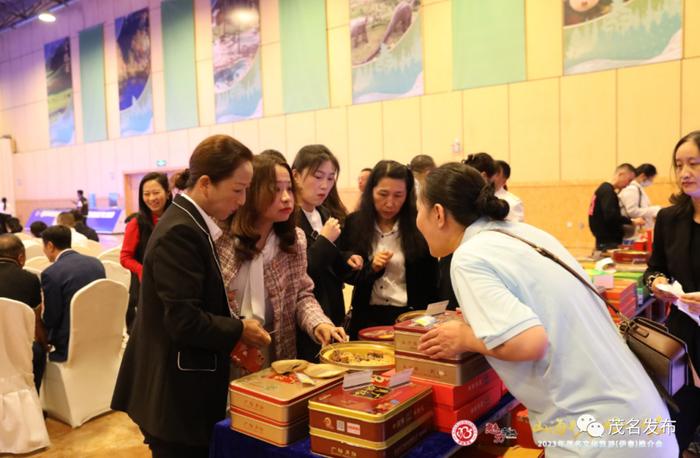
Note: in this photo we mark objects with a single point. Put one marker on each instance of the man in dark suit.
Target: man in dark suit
(83, 228)
(82, 204)
(69, 272)
(20, 285)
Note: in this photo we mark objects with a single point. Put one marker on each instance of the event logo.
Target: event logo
(500, 434)
(464, 432)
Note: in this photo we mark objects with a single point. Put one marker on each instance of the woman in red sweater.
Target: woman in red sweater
(154, 198)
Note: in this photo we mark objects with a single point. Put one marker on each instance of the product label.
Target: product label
(354, 428)
(355, 379)
(372, 392)
(436, 308)
(401, 377)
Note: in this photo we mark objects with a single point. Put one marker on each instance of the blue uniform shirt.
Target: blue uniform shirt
(505, 287)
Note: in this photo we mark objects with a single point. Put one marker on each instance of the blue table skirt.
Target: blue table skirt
(227, 443)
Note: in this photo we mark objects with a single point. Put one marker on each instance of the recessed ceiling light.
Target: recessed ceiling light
(47, 17)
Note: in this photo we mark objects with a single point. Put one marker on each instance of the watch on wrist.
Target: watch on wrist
(652, 278)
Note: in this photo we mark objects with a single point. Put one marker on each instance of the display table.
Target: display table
(227, 443)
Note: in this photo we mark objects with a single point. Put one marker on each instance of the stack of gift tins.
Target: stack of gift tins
(623, 295)
(274, 407)
(464, 387)
(371, 421)
(637, 277)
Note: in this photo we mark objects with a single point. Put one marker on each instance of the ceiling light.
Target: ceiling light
(47, 17)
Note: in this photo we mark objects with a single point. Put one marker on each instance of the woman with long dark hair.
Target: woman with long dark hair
(549, 338)
(173, 379)
(154, 199)
(263, 259)
(398, 274)
(675, 256)
(315, 170)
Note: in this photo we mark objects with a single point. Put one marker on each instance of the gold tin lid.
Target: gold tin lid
(359, 355)
(410, 315)
(277, 388)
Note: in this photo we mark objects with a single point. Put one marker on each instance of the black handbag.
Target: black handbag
(663, 355)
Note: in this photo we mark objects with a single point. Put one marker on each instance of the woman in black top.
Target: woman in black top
(315, 171)
(399, 274)
(173, 380)
(154, 199)
(676, 256)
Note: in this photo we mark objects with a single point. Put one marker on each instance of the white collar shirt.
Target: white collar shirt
(214, 230)
(77, 239)
(517, 210)
(390, 288)
(314, 219)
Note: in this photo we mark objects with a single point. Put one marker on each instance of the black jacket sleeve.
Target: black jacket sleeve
(658, 263)
(179, 282)
(320, 254)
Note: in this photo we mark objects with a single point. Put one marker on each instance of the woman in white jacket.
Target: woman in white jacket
(634, 201)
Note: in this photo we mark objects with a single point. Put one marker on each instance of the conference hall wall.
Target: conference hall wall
(493, 80)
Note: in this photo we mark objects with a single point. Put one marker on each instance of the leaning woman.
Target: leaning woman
(676, 257)
(263, 258)
(173, 378)
(550, 339)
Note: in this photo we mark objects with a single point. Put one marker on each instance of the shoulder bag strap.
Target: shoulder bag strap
(640, 197)
(548, 254)
(625, 322)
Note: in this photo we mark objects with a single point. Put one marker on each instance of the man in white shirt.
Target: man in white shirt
(67, 219)
(500, 182)
(634, 202)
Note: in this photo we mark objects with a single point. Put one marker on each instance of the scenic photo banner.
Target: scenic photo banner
(607, 34)
(134, 63)
(236, 59)
(386, 49)
(59, 88)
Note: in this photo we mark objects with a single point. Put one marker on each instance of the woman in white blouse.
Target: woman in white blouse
(398, 274)
(634, 201)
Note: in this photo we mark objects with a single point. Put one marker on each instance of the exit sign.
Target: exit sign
(161, 163)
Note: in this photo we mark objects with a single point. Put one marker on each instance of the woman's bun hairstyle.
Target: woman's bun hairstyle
(487, 204)
(180, 180)
(464, 193)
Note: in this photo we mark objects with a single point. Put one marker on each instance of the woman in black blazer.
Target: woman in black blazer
(315, 171)
(174, 376)
(399, 274)
(676, 256)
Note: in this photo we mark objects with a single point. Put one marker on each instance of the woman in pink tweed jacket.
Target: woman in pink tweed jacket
(263, 243)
